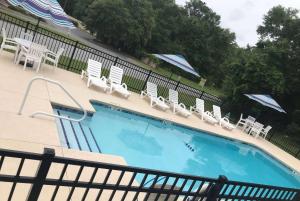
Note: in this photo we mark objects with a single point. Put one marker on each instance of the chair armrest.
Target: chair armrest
(209, 113)
(124, 86)
(161, 98)
(49, 53)
(182, 105)
(104, 79)
(192, 108)
(226, 120)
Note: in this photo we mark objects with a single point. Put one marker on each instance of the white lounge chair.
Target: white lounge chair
(35, 54)
(264, 132)
(177, 107)
(115, 80)
(198, 108)
(53, 58)
(8, 43)
(93, 74)
(151, 93)
(256, 129)
(223, 121)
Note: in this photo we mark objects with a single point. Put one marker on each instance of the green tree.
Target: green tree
(125, 25)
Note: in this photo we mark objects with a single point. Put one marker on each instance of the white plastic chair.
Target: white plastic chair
(245, 124)
(93, 74)
(198, 108)
(223, 121)
(26, 36)
(34, 53)
(256, 129)
(53, 58)
(151, 93)
(265, 131)
(177, 107)
(115, 80)
(8, 43)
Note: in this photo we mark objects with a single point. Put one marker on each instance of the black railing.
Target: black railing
(76, 55)
(30, 176)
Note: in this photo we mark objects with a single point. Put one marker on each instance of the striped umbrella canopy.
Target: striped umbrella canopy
(47, 9)
(178, 61)
(265, 100)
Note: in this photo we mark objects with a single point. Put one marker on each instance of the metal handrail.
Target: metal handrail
(47, 114)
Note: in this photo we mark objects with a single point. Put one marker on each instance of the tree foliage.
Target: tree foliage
(271, 67)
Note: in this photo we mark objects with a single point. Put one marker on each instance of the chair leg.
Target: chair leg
(25, 63)
(38, 66)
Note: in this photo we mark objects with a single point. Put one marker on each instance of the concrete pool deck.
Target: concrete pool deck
(21, 132)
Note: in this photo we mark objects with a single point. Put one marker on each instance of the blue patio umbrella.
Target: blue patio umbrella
(178, 61)
(47, 9)
(265, 100)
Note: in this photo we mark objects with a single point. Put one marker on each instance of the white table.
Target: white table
(25, 43)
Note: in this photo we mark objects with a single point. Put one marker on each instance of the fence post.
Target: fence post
(116, 61)
(41, 174)
(202, 92)
(145, 83)
(178, 83)
(214, 191)
(72, 55)
(36, 28)
(26, 27)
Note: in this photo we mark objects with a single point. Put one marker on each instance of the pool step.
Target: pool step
(78, 136)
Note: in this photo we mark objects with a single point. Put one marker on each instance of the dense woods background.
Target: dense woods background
(271, 67)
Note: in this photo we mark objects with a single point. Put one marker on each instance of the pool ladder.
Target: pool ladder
(48, 114)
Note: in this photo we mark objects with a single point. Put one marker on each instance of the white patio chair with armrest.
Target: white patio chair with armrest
(151, 93)
(264, 132)
(177, 107)
(115, 80)
(256, 129)
(223, 121)
(245, 123)
(198, 108)
(93, 74)
(53, 58)
(34, 53)
(8, 43)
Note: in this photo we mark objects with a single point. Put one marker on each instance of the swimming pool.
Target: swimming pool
(151, 143)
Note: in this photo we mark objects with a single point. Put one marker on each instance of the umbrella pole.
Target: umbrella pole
(36, 27)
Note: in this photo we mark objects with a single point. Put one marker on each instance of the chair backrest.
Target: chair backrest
(200, 104)
(4, 35)
(26, 36)
(173, 96)
(59, 53)
(94, 68)
(257, 127)
(36, 50)
(217, 112)
(116, 75)
(151, 89)
(250, 118)
(267, 129)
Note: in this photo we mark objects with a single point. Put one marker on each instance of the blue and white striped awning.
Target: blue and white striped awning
(265, 100)
(47, 9)
(179, 61)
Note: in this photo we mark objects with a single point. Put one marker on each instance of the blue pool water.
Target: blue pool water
(150, 143)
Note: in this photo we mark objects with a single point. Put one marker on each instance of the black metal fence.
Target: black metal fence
(76, 55)
(30, 176)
